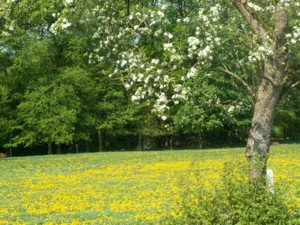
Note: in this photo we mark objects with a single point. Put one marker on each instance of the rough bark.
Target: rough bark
(267, 98)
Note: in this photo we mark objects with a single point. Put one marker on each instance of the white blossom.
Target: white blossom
(191, 72)
(166, 79)
(127, 86)
(168, 35)
(164, 118)
(158, 33)
(134, 98)
(294, 37)
(140, 77)
(123, 63)
(231, 109)
(155, 61)
(193, 41)
(160, 14)
(205, 52)
(69, 2)
(254, 6)
(186, 20)
(168, 46)
(285, 3)
(65, 23)
(154, 74)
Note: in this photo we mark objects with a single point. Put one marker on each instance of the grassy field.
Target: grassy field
(117, 187)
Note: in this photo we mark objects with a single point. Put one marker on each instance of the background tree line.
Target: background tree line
(56, 96)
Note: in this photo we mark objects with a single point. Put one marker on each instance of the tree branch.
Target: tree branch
(296, 84)
(244, 83)
(281, 19)
(128, 7)
(252, 19)
(290, 86)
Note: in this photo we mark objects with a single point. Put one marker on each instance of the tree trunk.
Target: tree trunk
(77, 148)
(50, 152)
(87, 146)
(100, 141)
(200, 140)
(140, 144)
(269, 91)
(229, 137)
(145, 142)
(171, 142)
(266, 101)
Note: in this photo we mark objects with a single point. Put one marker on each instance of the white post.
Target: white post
(270, 180)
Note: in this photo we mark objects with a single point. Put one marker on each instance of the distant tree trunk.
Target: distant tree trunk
(128, 145)
(200, 140)
(171, 142)
(145, 142)
(50, 152)
(87, 149)
(166, 141)
(100, 141)
(59, 149)
(140, 144)
(229, 137)
(77, 148)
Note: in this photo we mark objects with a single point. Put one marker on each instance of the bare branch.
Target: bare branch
(295, 85)
(244, 83)
(290, 86)
(252, 19)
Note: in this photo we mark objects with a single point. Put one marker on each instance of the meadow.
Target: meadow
(118, 187)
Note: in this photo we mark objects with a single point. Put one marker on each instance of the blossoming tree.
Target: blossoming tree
(253, 42)
(270, 27)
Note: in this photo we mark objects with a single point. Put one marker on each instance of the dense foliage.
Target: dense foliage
(134, 74)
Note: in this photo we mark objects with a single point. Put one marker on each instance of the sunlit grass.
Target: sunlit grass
(117, 188)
